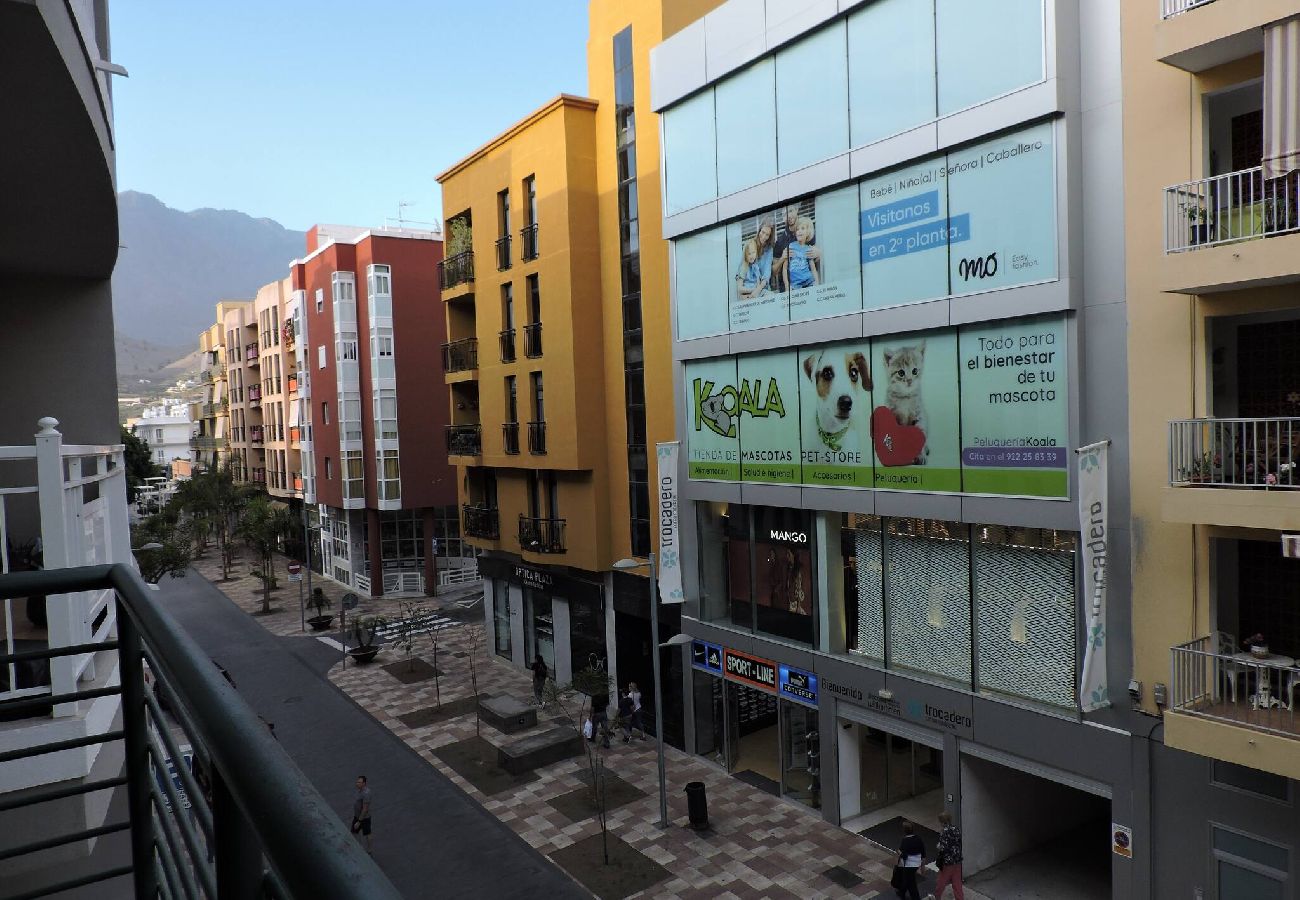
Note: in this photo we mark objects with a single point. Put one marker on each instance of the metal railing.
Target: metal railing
(256, 435)
(1237, 206)
(255, 396)
(241, 820)
(205, 442)
(1251, 453)
(407, 582)
(465, 440)
(456, 270)
(503, 252)
(528, 242)
(460, 356)
(533, 340)
(481, 522)
(537, 535)
(510, 437)
(1170, 8)
(1237, 688)
(537, 438)
(507, 338)
(251, 353)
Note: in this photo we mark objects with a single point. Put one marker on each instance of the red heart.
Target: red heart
(896, 445)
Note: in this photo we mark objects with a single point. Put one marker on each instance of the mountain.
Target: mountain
(138, 358)
(174, 266)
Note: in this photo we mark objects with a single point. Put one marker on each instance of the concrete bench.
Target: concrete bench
(507, 714)
(541, 749)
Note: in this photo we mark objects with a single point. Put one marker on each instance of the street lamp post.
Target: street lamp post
(675, 640)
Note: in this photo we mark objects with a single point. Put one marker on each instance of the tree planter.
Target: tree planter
(320, 623)
(362, 655)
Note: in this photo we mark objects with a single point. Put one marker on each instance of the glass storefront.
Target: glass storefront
(539, 630)
(501, 617)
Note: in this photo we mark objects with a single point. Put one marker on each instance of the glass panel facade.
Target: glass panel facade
(800, 754)
(700, 263)
(863, 554)
(688, 130)
(501, 617)
(812, 98)
(986, 49)
(897, 37)
(746, 126)
(927, 597)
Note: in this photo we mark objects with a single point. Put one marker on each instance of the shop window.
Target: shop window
(539, 633)
(863, 551)
(783, 595)
(1025, 610)
(501, 617)
(717, 528)
(928, 610)
(800, 755)
(709, 716)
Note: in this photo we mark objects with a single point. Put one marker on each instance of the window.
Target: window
(385, 403)
(894, 36)
(353, 475)
(700, 269)
(986, 49)
(1243, 778)
(689, 154)
(325, 412)
(381, 348)
(1247, 868)
(346, 350)
(812, 102)
(320, 357)
(533, 297)
(746, 125)
(503, 213)
(539, 406)
(329, 469)
(320, 300)
(512, 405)
(379, 280)
(862, 549)
(388, 475)
(927, 597)
(530, 195)
(157, 435)
(508, 304)
(158, 455)
(501, 616)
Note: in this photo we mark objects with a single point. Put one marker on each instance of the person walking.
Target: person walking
(638, 723)
(625, 716)
(361, 813)
(600, 718)
(947, 857)
(539, 679)
(911, 853)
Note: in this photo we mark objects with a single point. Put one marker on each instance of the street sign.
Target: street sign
(295, 570)
(350, 600)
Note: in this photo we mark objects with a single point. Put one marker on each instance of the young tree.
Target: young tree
(263, 525)
(173, 534)
(139, 462)
(410, 618)
(575, 704)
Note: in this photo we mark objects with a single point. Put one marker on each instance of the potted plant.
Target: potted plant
(1256, 645)
(1196, 220)
(1200, 470)
(363, 632)
(319, 602)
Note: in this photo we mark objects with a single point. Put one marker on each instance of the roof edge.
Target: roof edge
(538, 114)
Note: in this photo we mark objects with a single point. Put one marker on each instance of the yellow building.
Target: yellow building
(1213, 261)
(559, 357)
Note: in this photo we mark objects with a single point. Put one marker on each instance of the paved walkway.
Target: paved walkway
(759, 846)
(430, 838)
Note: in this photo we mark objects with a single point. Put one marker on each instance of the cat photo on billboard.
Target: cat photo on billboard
(904, 368)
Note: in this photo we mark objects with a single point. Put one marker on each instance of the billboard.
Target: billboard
(980, 409)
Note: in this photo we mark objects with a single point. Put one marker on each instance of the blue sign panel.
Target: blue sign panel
(706, 656)
(798, 685)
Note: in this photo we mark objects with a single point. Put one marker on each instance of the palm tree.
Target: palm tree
(217, 499)
(263, 526)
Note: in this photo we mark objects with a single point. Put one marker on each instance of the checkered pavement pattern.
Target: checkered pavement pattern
(758, 846)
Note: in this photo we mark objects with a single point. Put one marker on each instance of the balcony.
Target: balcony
(210, 830)
(256, 435)
(510, 438)
(464, 440)
(1196, 35)
(1234, 706)
(1214, 229)
(1234, 472)
(507, 339)
(503, 253)
(528, 242)
(254, 396)
(206, 442)
(251, 354)
(1171, 8)
(460, 356)
(456, 270)
(295, 434)
(533, 340)
(481, 522)
(293, 384)
(537, 438)
(258, 477)
(538, 535)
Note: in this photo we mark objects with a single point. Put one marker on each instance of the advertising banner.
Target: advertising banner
(769, 410)
(820, 263)
(1094, 510)
(713, 420)
(755, 252)
(1005, 189)
(914, 421)
(905, 235)
(670, 557)
(835, 414)
(1014, 408)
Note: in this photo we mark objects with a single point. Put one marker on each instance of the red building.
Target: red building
(372, 405)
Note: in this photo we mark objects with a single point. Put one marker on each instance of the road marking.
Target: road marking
(331, 642)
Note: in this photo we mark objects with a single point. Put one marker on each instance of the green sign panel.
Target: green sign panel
(835, 414)
(914, 425)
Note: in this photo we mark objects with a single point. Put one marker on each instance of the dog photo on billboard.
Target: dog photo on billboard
(841, 404)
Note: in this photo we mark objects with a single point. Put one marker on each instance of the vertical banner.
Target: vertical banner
(1094, 510)
(670, 557)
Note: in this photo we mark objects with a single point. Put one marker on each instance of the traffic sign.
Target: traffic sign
(295, 567)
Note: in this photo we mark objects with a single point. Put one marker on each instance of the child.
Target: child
(750, 281)
(803, 256)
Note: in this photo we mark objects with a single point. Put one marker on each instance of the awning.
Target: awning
(293, 413)
(1282, 97)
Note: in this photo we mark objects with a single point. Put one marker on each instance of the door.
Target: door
(895, 768)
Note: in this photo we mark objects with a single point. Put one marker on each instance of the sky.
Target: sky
(324, 111)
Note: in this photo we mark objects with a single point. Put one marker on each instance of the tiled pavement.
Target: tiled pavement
(758, 846)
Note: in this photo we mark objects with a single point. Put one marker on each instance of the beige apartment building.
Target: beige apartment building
(277, 365)
(247, 438)
(1211, 160)
(211, 415)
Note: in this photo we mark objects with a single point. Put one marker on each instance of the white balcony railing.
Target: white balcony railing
(1241, 453)
(80, 505)
(1170, 8)
(1235, 687)
(1238, 206)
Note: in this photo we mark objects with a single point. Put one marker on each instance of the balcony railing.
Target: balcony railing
(206, 442)
(533, 340)
(259, 476)
(293, 384)
(460, 356)
(1238, 206)
(510, 437)
(481, 522)
(528, 242)
(1238, 688)
(242, 822)
(256, 435)
(503, 252)
(507, 339)
(255, 396)
(456, 270)
(537, 438)
(1169, 8)
(541, 535)
(250, 353)
(465, 440)
(1239, 453)
(295, 434)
